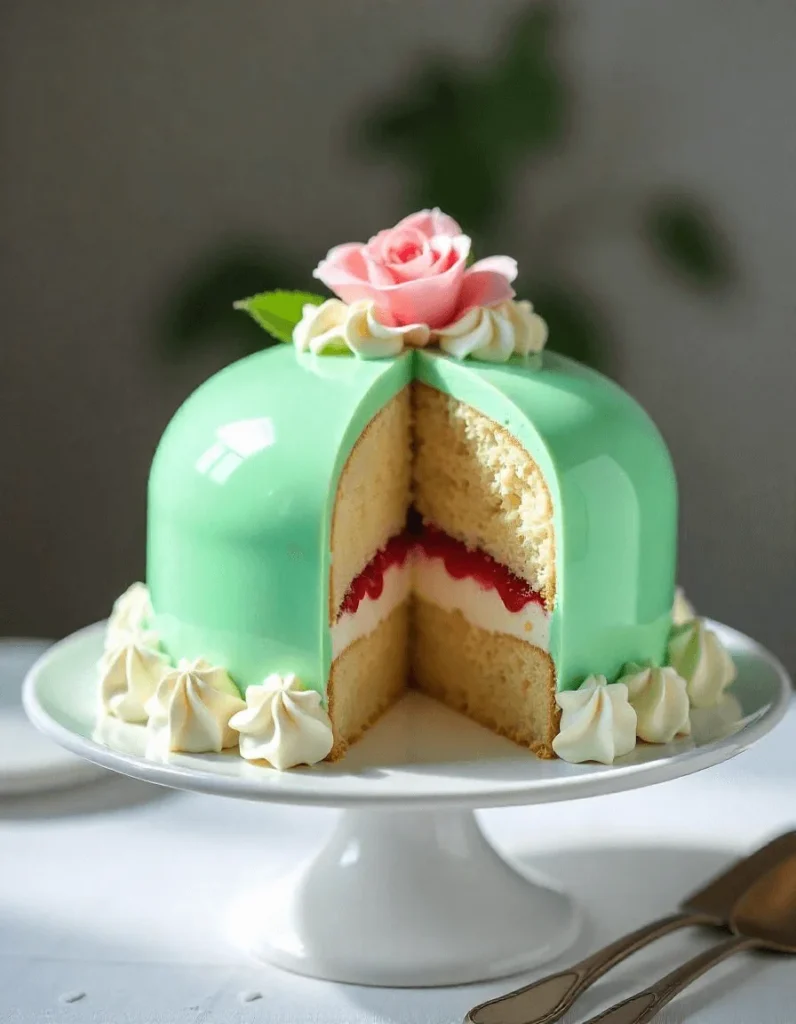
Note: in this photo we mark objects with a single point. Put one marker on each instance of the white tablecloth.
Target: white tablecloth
(112, 899)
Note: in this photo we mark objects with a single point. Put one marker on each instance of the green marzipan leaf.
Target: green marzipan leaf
(278, 312)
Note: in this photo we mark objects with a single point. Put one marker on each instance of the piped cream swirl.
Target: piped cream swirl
(131, 616)
(130, 674)
(191, 710)
(494, 333)
(598, 722)
(334, 327)
(682, 609)
(366, 336)
(283, 723)
(489, 333)
(660, 700)
(700, 658)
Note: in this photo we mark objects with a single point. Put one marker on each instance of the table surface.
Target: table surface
(112, 899)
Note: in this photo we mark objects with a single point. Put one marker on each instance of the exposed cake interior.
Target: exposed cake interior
(370, 646)
(477, 483)
(443, 572)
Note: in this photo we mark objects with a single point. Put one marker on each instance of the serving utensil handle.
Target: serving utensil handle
(643, 1006)
(547, 1000)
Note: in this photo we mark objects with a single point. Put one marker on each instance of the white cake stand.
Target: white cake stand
(407, 891)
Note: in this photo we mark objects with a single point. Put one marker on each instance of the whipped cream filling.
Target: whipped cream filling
(481, 606)
(352, 626)
(431, 581)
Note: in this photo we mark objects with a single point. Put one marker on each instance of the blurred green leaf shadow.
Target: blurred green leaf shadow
(464, 133)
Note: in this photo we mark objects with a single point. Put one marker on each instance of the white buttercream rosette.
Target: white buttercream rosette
(132, 664)
(130, 673)
(682, 609)
(489, 333)
(598, 722)
(596, 717)
(196, 707)
(191, 710)
(702, 660)
(283, 723)
(131, 616)
(660, 699)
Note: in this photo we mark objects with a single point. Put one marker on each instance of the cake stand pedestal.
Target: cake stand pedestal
(406, 898)
(406, 891)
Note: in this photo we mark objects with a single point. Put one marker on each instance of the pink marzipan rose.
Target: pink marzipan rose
(417, 273)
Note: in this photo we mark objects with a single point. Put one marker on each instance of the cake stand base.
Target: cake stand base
(405, 898)
(407, 891)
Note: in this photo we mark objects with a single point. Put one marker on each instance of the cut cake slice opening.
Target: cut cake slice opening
(454, 598)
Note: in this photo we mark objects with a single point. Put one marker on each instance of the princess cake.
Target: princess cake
(409, 492)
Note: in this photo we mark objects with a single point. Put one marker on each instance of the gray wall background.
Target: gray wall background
(133, 136)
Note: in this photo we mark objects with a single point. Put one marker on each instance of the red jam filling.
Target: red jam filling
(370, 582)
(460, 562)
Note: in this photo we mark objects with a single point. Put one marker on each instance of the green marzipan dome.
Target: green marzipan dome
(243, 483)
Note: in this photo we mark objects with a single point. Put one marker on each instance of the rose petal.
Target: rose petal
(348, 255)
(430, 223)
(403, 246)
(377, 245)
(384, 247)
(343, 270)
(483, 288)
(446, 251)
(504, 265)
(420, 264)
(377, 272)
(423, 265)
(429, 300)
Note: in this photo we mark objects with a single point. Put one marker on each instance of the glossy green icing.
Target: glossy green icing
(243, 484)
(240, 496)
